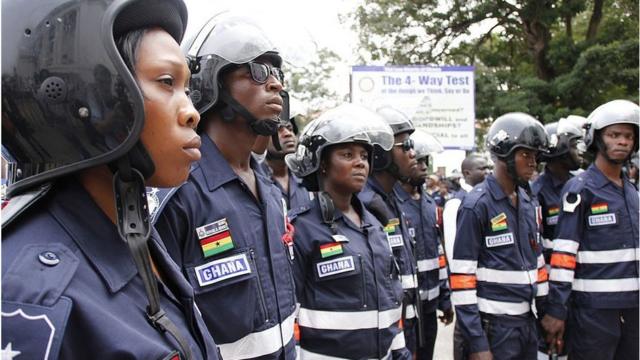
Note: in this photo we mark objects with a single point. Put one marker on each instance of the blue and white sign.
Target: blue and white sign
(335, 266)
(439, 100)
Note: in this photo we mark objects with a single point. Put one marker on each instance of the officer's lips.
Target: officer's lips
(275, 104)
(360, 175)
(192, 148)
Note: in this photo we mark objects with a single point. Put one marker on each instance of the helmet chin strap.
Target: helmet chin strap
(265, 127)
(511, 170)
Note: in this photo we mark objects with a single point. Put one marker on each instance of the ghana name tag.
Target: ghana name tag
(222, 269)
(603, 219)
(499, 240)
(335, 266)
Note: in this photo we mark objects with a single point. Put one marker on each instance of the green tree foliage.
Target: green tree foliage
(550, 58)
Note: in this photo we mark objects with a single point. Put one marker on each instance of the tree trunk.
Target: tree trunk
(567, 27)
(594, 22)
(538, 36)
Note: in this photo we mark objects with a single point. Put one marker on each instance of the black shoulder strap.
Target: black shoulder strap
(134, 229)
(328, 210)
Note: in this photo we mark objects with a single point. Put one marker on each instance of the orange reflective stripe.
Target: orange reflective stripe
(460, 282)
(563, 261)
(400, 324)
(442, 261)
(296, 331)
(542, 275)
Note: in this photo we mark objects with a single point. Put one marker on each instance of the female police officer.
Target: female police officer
(225, 225)
(71, 287)
(346, 277)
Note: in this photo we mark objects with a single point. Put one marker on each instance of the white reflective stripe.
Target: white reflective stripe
(607, 256)
(464, 297)
(605, 285)
(547, 243)
(568, 246)
(463, 266)
(260, 343)
(523, 277)
(430, 294)
(348, 320)
(543, 289)
(563, 275)
(409, 281)
(428, 264)
(443, 274)
(543, 356)
(540, 261)
(398, 342)
(503, 307)
(410, 311)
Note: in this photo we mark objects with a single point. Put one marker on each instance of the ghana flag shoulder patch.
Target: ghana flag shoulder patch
(215, 237)
(330, 249)
(599, 208)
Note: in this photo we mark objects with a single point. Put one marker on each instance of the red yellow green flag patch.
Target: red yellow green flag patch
(330, 249)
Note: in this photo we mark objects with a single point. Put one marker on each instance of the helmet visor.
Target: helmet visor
(425, 144)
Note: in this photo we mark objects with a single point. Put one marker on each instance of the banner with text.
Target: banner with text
(439, 100)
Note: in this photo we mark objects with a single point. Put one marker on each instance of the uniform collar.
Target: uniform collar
(94, 234)
(552, 180)
(498, 194)
(365, 216)
(596, 177)
(216, 168)
(401, 193)
(376, 187)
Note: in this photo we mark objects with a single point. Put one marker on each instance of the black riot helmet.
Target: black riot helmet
(399, 123)
(347, 123)
(513, 131)
(226, 41)
(52, 53)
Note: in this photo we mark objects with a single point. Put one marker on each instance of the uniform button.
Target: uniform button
(49, 258)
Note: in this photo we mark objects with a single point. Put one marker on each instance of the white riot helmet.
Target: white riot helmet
(611, 113)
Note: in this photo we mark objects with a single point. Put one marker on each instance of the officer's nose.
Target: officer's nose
(188, 115)
(273, 84)
(412, 153)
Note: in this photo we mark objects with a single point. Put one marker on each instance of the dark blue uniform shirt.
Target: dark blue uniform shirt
(548, 191)
(496, 265)
(595, 253)
(297, 195)
(230, 247)
(423, 228)
(348, 286)
(71, 290)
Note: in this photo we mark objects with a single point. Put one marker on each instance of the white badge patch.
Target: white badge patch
(603, 219)
(213, 228)
(335, 266)
(412, 232)
(340, 238)
(222, 269)
(552, 220)
(395, 240)
(499, 240)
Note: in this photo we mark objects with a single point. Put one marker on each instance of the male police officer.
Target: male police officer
(475, 168)
(378, 197)
(225, 225)
(594, 274)
(421, 213)
(494, 269)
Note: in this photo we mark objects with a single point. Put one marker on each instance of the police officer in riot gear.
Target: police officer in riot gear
(422, 213)
(84, 274)
(346, 278)
(594, 265)
(497, 267)
(390, 166)
(226, 225)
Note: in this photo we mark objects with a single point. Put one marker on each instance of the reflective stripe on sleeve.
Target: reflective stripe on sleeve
(563, 261)
(563, 275)
(568, 246)
(543, 289)
(427, 264)
(540, 261)
(462, 282)
(507, 276)
(409, 281)
(503, 307)
(542, 274)
(348, 320)
(443, 274)
(430, 294)
(547, 243)
(463, 266)
(410, 311)
(398, 342)
(260, 343)
(464, 297)
(442, 261)
(608, 256)
(605, 285)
